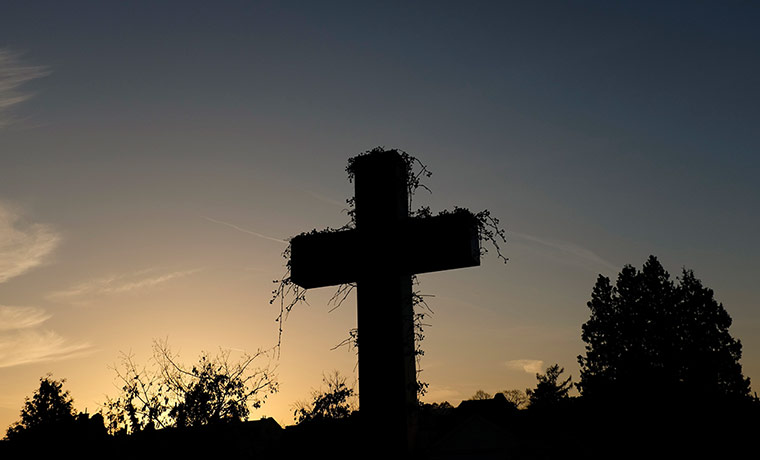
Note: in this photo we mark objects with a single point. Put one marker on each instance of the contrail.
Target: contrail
(250, 232)
(569, 249)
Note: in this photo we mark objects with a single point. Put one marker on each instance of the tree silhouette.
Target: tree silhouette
(332, 403)
(215, 390)
(649, 336)
(49, 407)
(480, 395)
(549, 391)
(49, 426)
(516, 397)
(213, 394)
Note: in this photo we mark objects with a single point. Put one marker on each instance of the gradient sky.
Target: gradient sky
(154, 156)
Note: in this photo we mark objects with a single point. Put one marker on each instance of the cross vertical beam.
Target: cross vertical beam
(387, 371)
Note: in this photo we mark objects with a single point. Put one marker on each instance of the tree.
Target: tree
(549, 391)
(333, 403)
(650, 336)
(49, 407)
(215, 390)
(517, 398)
(480, 395)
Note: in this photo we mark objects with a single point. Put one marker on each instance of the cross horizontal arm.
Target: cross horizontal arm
(324, 259)
(443, 242)
(419, 245)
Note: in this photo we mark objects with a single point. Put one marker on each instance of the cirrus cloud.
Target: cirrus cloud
(23, 246)
(24, 341)
(13, 318)
(84, 293)
(13, 74)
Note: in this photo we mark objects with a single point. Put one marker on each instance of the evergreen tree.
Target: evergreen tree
(650, 336)
(549, 392)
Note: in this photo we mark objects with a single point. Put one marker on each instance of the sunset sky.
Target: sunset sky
(156, 156)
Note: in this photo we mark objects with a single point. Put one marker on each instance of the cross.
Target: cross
(380, 255)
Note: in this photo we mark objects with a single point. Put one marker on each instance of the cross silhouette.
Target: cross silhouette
(380, 255)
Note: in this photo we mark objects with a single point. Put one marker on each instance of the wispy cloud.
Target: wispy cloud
(13, 318)
(13, 74)
(118, 284)
(23, 246)
(442, 393)
(245, 230)
(531, 366)
(32, 346)
(567, 251)
(22, 341)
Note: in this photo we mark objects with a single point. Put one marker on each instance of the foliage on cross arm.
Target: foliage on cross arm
(489, 227)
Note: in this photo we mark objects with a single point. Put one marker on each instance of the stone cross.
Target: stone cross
(380, 255)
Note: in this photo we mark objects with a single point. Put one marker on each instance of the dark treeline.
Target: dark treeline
(660, 378)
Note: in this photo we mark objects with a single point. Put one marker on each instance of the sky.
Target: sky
(156, 156)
